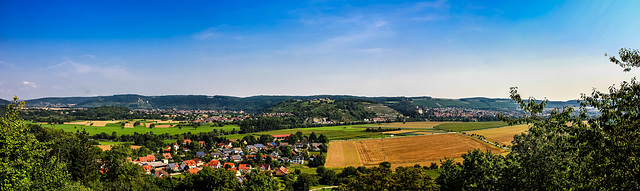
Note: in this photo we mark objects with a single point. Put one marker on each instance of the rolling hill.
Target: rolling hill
(256, 104)
(345, 110)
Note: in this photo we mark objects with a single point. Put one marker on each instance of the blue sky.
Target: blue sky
(449, 49)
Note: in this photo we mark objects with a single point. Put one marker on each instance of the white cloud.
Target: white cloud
(55, 66)
(29, 84)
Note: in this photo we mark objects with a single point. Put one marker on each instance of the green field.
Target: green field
(468, 126)
(333, 133)
(110, 128)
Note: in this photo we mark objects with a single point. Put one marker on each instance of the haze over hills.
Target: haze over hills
(256, 104)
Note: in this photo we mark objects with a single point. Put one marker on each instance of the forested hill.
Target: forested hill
(345, 110)
(256, 104)
(4, 102)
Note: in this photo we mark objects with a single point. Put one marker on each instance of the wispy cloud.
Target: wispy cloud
(7, 64)
(29, 84)
(72, 67)
(55, 66)
(214, 33)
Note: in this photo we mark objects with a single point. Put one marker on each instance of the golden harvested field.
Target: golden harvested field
(95, 123)
(415, 132)
(502, 135)
(401, 131)
(421, 163)
(108, 147)
(421, 125)
(418, 148)
(342, 154)
(403, 151)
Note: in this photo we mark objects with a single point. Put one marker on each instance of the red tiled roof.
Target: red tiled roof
(281, 136)
(189, 162)
(244, 166)
(213, 163)
(146, 168)
(193, 170)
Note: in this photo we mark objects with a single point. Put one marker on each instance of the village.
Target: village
(274, 157)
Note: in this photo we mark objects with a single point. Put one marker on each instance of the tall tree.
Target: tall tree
(561, 151)
(210, 179)
(260, 181)
(24, 164)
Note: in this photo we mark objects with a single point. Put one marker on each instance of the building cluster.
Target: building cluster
(457, 112)
(234, 155)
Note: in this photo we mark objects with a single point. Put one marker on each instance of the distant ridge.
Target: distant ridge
(256, 104)
(4, 102)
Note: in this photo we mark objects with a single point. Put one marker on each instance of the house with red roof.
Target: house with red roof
(244, 167)
(167, 155)
(160, 174)
(231, 165)
(186, 141)
(147, 168)
(188, 163)
(263, 167)
(281, 171)
(193, 170)
(148, 158)
(281, 137)
(214, 164)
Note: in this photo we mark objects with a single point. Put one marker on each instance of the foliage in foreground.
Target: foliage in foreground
(561, 151)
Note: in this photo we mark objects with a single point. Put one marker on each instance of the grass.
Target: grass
(434, 173)
(333, 132)
(110, 128)
(468, 126)
(170, 141)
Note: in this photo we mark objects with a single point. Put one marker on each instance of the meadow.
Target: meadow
(333, 132)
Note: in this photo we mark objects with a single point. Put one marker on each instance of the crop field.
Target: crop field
(108, 147)
(411, 125)
(408, 150)
(469, 126)
(411, 132)
(502, 135)
(342, 154)
(95, 123)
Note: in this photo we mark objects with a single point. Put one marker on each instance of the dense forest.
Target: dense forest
(311, 113)
(97, 113)
(346, 110)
